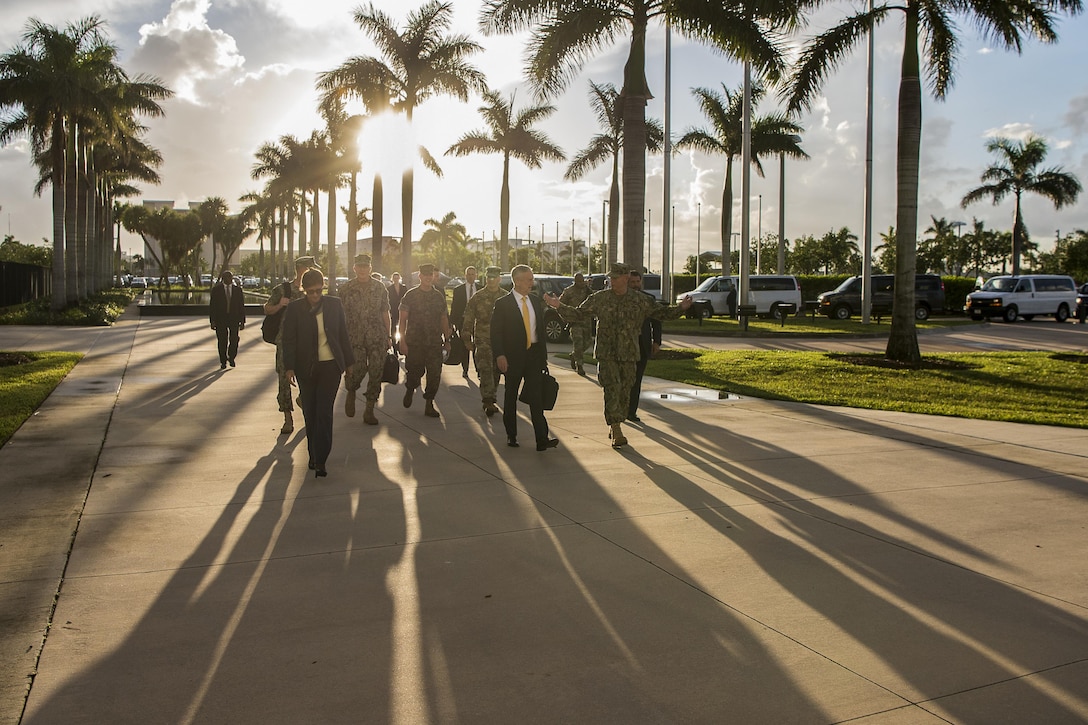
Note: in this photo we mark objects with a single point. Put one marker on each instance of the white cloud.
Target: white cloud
(1017, 130)
(185, 52)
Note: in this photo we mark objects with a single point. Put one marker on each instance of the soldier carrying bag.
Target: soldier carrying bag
(270, 327)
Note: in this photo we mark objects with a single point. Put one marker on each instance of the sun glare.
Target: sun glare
(387, 144)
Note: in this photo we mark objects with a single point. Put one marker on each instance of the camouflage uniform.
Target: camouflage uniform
(581, 333)
(619, 323)
(477, 328)
(365, 301)
(426, 310)
(283, 396)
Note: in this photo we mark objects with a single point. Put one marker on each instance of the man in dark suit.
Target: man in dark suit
(649, 342)
(316, 353)
(461, 295)
(521, 354)
(227, 314)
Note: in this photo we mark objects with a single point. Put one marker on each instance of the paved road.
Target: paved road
(995, 336)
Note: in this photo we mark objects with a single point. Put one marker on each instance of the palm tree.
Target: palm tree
(514, 137)
(213, 213)
(607, 106)
(770, 134)
(416, 63)
(1015, 173)
(933, 23)
(52, 84)
(444, 235)
(567, 33)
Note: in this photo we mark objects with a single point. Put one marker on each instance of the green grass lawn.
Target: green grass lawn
(26, 379)
(1026, 387)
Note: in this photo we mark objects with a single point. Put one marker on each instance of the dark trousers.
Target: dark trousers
(422, 360)
(636, 389)
(530, 378)
(227, 336)
(318, 394)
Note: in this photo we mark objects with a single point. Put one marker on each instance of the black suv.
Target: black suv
(554, 327)
(845, 300)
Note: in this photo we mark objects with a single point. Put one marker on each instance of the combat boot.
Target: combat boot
(349, 404)
(430, 412)
(490, 409)
(616, 434)
(288, 423)
(368, 415)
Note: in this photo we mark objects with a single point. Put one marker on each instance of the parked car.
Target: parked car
(844, 301)
(1027, 295)
(138, 283)
(770, 293)
(555, 328)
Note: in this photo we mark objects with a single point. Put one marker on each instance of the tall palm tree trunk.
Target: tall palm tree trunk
(613, 215)
(315, 223)
(83, 207)
(288, 262)
(353, 231)
(406, 187)
(57, 299)
(1017, 236)
(377, 241)
(634, 180)
(727, 219)
(903, 337)
(635, 93)
(331, 234)
(504, 214)
(302, 229)
(71, 192)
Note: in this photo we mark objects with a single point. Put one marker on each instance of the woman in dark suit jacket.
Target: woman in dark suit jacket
(316, 352)
(520, 359)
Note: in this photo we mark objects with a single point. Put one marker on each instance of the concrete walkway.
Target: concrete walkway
(742, 561)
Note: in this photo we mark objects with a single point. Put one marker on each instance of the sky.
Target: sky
(244, 72)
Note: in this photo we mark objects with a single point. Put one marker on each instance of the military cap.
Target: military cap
(493, 272)
(426, 268)
(306, 262)
(619, 269)
(363, 260)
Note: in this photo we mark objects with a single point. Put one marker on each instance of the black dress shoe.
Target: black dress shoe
(321, 472)
(311, 465)
(232, 363)
(634, 419)
(222, 366)
(512, 442)
(546, 444)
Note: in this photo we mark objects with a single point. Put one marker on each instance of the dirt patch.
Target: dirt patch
(7, 359)
(879, 361)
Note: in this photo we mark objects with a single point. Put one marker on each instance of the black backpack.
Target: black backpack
(270, 327)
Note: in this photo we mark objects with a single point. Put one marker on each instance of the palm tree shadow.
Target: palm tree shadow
(924, 617)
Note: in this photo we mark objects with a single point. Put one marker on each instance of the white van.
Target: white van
(1025, 296)
(768, 292)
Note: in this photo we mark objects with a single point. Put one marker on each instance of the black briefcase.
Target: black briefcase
(391, 368)
(549, 391)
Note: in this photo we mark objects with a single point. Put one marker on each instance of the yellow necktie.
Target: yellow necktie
(525, 319)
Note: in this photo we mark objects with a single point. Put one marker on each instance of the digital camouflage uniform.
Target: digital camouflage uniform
(283, 396)
(477, 329)
(619, 323)
(426, 310)
(581, 333)
(365, 301)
